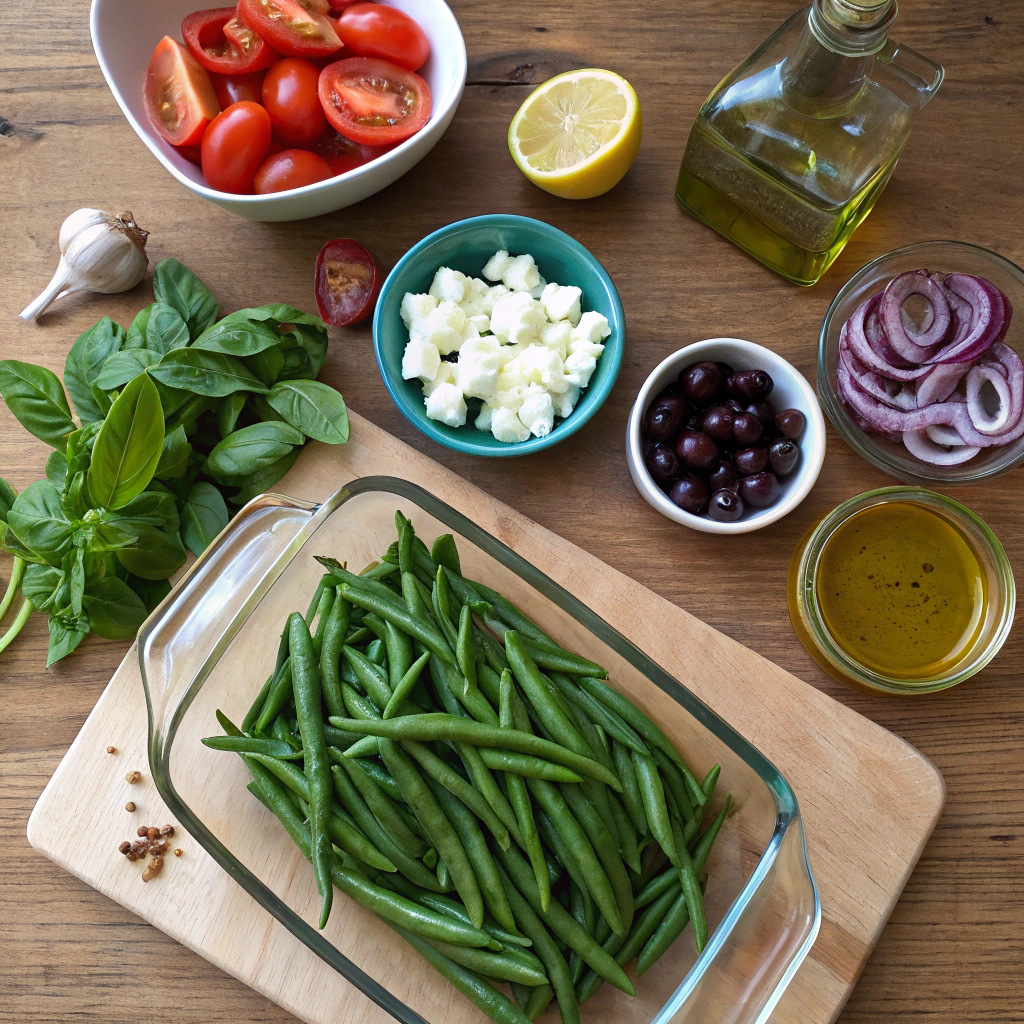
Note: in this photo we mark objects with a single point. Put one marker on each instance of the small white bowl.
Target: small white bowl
(791, 392)
(125, 33)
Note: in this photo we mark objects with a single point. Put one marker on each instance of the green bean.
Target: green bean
(439, 829)
(378, 570)
(430, 858)
(358, 635)
(473, 842)
(710, 781)
(386, 904)
(281, 731)
(631, 797)
(404, 686)
(465, 649)
(435, 727)
(653, 795)
(377, 654)
(500, 966)
(257, 705)
(582, 908)
(625, 833)
(325, 581)
(575, 838)
(511, 615)
(604, 846)
(457, 785)
(445, 552)
(385, 811)
(694, 898)
(251, 745)
(366, 585)
(330, 653)
(425, 567)
(561, 852)
(598, 713)
(544, 946)
(657, 886)
(229, 727)
(480, 993)
(307, 694)
(419, 628)
(400, 653)
(412, 597)
(444, 878)
(494, 653)
(375, 624)
(405, 535)
(323, 613)
(538, 1002)
(561, 923)
(484, 782)
(524, 764)
(357, 705)
(673, 781)
(372, 676)
(442, 611)
(279, 695)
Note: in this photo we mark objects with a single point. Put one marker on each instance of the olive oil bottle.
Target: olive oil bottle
(792, 149)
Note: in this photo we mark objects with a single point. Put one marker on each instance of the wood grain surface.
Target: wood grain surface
(954, 949)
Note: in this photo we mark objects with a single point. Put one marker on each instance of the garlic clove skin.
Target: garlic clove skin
(99, 253)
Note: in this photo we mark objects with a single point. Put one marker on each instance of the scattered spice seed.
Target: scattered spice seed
(111, 750)
(129, 806)
(142, 830)
(153, 868)
(167, 830)
(132, 855)
(178, 851)
(152, 833)
(124, 847)
(158, 849)
(133, 777)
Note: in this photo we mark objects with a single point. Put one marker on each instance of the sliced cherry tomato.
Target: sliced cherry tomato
(291, 168)
(343, 154)
(223, 43)
(293, 102)
(373, 30)
(234, 147)
(374, 101)
(294, 28)
(235, 88)
(178, 96)
(346, 283)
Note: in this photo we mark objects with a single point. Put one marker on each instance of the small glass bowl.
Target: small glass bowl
(809, 624)
(947, 257)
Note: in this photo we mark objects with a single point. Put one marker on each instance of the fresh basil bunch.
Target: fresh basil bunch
(180, 418)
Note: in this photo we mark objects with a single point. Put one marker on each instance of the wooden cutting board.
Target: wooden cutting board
(869, 800)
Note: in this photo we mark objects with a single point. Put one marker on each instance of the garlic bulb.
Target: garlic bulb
(99, 253)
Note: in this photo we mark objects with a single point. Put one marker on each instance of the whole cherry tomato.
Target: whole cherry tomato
(234, 147)
(291, 168)
(375, 30)
(234, 88)
(290, 96)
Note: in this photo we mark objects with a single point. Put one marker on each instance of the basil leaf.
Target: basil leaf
(38, 520)
(155, 555)
(74, 500)
(300, 341)
(178, 287)
(90, 351)
(150, 508)
(115, 610)
(151, 592)
(137, 329)
(13, 546)
(229, 411)
(64, 638)
(267, 365)
(174, 456)
(238, 338)
(276, 312)
(128, 445)
(206, 373)
(40, 585)
(75, 572)
(251, 449)
(35, 396)
(259, 482)
(312, 407)
(171, 399)
(56, 472)
(80, 445)
(165, 329)
(124, 366)
(203, 516)
(8, 495)
(264, 411)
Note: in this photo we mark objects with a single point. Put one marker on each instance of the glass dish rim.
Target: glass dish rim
(857, 439)
(787, 811)
(811, 615)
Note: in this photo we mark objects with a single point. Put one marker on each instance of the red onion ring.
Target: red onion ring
(856, 336)
(920, 445)
(908, 341)
(977, 378)
(990, 318)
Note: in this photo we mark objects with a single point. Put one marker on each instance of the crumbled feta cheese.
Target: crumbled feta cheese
(495, 267)
(445, 375)
(586, 348)
(592, 327)
(449, 285)
(508, 397)
(566, 401)
(415, 309)
(538, 289)
(537, 413)
(517, 317)
(474, 295)
(481, 321)
(521, 274)
(562, 302)
(556, 337)
(506, 426)
(420, 359)
(476, 372)
(494, 293)
(447, 404)
(445, 326)
(483, 419)
(579, 368)
(540, 365)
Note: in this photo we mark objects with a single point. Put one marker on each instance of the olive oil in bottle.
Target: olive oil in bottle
(791, 151)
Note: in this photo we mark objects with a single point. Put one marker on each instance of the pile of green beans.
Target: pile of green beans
(449, 766)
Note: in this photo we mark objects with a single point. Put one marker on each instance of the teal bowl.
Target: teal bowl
(466, 246)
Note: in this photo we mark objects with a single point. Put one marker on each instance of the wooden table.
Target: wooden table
(954, 951)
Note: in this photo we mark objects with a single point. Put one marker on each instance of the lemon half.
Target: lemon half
(578, 133)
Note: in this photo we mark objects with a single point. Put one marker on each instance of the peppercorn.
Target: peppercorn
(124, 847)
(167, 830)
(133, 777)
(129, 806)
(111, 750)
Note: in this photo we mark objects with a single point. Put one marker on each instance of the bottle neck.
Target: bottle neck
(852, 28)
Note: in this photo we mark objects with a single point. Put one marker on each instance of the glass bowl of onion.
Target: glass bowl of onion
(919, 365)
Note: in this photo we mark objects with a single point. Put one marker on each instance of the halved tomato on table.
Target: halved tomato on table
(178, 95)
(375, 30)
(223, 43)
(294, 28)
(373, 101)
(346, 283)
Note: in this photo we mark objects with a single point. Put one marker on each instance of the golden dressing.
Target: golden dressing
(901, 591)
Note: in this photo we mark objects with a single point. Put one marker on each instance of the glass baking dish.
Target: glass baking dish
(212, 643)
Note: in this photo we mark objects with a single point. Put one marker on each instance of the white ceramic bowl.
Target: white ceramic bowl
(791, 392)
(125, 32)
